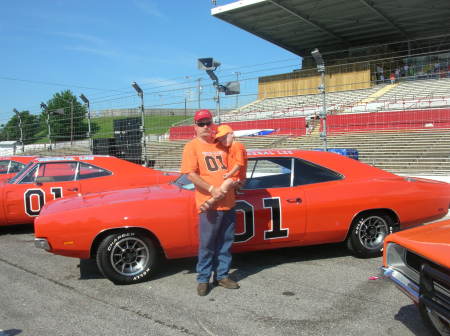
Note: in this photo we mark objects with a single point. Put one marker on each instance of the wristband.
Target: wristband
(211, 187)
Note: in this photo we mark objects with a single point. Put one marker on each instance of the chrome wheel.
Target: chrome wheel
(372, 231)
(129, 256)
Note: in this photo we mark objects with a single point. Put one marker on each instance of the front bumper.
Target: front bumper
(406, 285)
(42, 243)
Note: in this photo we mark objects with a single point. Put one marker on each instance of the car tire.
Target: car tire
(433, 322)
(367, 233)
(127, 257)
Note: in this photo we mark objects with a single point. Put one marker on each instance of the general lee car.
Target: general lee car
(45, 179)
(291, 198)
(11, 165)
(418, 262)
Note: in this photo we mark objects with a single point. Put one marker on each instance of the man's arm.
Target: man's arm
(204, 186)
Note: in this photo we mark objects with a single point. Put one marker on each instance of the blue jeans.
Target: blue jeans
(216, 234)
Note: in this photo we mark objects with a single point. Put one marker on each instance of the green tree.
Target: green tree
(67, 117)
(28, 122)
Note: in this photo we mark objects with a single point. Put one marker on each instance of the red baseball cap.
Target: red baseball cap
(202, 114)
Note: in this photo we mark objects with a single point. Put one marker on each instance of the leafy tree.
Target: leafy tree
(28, 122)
(66, 117)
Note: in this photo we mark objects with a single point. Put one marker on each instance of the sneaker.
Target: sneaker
(228, 283)
(202, 288)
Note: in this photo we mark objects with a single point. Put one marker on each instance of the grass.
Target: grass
(155, 125)
(103, 127)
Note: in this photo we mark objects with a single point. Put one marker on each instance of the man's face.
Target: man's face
(203, 128)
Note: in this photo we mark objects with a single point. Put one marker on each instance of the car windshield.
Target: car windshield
(15, 177)
(184, 183)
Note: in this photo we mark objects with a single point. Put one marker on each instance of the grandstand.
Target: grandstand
(387, 86)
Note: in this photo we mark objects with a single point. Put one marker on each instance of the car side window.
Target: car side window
(15, 167)
(4, 165)
(88, 171)
(308, 173)
(51, 172)
(268, 173)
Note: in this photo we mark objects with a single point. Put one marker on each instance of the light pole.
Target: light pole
(45, 108)
(21, 130)
(210, 65)
(141, 95)
(237, 73)
(323, 115)
(86, 102)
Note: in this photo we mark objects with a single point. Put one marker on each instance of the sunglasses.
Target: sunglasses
(204, 123)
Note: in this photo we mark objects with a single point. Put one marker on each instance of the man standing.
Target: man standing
(204, 161)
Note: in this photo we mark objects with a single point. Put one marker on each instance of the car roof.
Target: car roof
(19, 158)
(336, 162)
(111, 163)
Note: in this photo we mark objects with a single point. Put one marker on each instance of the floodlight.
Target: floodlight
(207, 63)
(232, 88)
(43, 106)
(84, 99)
(137, 88)
(317, 57)
(58, 111)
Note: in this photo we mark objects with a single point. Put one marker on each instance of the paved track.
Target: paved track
(319, 290)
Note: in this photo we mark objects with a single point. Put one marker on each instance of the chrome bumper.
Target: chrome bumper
(42, 243)
(406, 285)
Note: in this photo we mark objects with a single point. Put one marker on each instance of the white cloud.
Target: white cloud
(149, 8)
(81, 37)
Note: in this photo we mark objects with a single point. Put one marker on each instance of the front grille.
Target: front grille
(415, 261)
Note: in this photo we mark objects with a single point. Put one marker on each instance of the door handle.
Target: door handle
(72, 189)
(294, 200)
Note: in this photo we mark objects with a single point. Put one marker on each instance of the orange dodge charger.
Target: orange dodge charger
(291, 198)
(49, 178)
(418, 262)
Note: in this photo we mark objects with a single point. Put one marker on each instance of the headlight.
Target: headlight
(396, 258)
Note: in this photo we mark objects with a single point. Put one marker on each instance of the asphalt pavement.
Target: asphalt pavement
(320, 290)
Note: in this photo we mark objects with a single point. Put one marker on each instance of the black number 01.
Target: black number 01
(40, 195)
(275, 232)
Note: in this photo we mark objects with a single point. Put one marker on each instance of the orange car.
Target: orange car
(418, 262)
(45, 179)
(291, 198)
(11, 165)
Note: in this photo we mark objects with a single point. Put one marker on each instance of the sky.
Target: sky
(99, 47)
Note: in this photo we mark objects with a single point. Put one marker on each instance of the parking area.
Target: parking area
(320, 290)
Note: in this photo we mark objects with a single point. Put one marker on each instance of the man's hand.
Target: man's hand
(217, 193)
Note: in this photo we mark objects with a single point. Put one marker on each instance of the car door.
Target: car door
(270, 209)
(90, 178)
(46, 181)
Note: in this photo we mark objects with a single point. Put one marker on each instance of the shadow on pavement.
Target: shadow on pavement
(410, 317)
(16, 229)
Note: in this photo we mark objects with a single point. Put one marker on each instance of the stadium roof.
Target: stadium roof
(330, 25)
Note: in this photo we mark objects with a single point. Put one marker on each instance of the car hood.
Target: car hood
(431, 241)
(158, 192)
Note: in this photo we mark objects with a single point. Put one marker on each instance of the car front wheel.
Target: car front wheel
(127, 257)
(367, 234)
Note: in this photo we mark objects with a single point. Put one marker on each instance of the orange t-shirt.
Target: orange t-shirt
(238, 155)
(209, 161)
